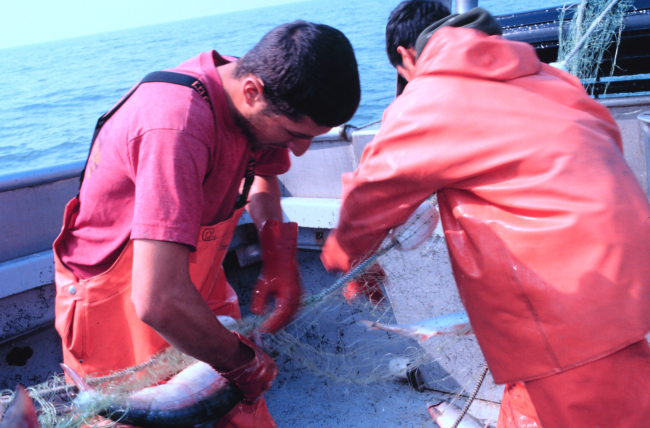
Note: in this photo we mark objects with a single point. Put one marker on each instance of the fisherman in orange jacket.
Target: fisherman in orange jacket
(547, 228)
(138, 262)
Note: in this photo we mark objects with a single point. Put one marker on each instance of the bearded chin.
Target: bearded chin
(248, 126)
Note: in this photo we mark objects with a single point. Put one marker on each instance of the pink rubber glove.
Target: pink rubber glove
(367, 284)
(280, 276)
(255, 377)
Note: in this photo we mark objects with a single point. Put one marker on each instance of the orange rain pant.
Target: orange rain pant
(610, 392)
(99, 326)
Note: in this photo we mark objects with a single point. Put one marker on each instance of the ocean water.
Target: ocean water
(51, 94)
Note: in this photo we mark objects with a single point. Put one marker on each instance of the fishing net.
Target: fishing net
(326, 340)
(329, 342)
(596, 24)
(60, 404)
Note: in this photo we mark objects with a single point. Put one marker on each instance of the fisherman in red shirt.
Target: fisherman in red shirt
(138, 262)
(547, 228)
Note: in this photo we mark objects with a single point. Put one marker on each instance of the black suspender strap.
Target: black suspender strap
(179, 79)
(183, 80)
(248, 182)
(156, 76)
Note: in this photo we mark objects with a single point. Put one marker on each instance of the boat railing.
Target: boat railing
(37, 176)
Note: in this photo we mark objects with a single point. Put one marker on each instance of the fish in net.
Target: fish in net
(328, 339)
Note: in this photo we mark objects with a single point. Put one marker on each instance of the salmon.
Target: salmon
(455, 324)
(196, 395)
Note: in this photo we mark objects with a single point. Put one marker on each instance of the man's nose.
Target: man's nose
(299, 146)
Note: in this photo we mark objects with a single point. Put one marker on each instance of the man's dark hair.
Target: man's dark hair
(407, 21)
(307, 69)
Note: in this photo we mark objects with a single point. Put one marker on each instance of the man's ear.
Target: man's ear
(253, 89)
(408, 62)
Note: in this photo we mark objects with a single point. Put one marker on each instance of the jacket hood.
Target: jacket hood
(472, 53)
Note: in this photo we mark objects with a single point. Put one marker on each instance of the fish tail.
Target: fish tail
(433, 410)
(425, 336)
(76, 378)
(370, 325)
(21, 412)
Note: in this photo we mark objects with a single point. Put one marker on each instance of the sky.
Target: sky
(25, 22)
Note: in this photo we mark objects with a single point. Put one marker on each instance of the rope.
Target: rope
(472, 397)
(590, 30)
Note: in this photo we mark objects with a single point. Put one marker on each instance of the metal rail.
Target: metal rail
(463, 6)
(37, 176)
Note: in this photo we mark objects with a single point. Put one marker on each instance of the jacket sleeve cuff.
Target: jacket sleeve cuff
(333, 257)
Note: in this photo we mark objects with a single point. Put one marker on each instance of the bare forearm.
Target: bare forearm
(189, 325)
(265, 200)
(166, 299)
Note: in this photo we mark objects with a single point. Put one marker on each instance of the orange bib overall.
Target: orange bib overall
(98, 323)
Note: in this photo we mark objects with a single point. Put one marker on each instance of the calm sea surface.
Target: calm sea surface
(52, 93)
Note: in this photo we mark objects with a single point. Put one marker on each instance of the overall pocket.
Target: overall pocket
(69, 324)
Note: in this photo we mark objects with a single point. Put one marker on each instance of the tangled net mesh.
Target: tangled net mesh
(596, 24)
(326, 339)
(60, 404)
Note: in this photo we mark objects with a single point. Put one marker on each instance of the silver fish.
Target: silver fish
(446, 414)
(194, 396)
(455, 323)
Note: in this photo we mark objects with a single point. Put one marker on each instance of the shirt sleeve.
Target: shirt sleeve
(169, 167)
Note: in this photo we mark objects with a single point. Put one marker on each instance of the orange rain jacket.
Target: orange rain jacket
(547, 228)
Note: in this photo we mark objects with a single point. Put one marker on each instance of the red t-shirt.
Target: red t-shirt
(163, 166)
